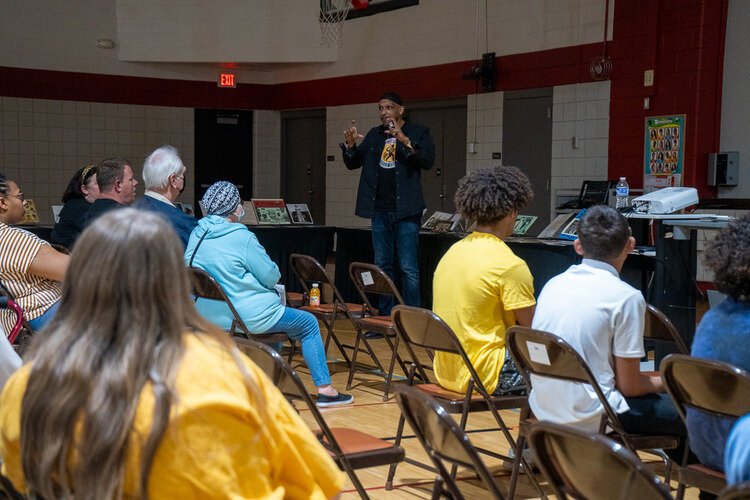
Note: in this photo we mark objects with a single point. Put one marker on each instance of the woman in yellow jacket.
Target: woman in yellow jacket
(131, 394)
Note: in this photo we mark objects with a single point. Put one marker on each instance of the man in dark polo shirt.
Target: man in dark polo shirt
(116, 187)
(392, 157)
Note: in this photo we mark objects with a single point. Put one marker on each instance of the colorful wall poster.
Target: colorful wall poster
(664, 149)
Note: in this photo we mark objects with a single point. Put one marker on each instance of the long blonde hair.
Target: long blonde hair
(124, 309)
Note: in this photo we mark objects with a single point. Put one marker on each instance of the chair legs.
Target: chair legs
(394, 357)
(353, 366)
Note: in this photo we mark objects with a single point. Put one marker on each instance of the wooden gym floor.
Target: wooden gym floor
(370, 414)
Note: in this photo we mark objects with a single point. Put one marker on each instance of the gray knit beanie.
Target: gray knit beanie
(221, 198)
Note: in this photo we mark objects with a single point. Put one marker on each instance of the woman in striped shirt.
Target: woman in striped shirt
(30, 269)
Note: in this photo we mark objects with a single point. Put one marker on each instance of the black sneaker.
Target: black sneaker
(340, 399)
(373, 335)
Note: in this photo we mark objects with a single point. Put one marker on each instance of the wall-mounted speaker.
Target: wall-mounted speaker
(724, 168)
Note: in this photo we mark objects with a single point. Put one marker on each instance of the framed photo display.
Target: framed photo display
(270, 211)
(299, 213)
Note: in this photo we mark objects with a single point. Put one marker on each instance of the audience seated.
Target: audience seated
(229, 252)
(116, 187)
(134, 395)
(737, 452)
(602, 318)
(724, 332)
(81, 192)
(30, 269)
(164, 179)
(480, 287)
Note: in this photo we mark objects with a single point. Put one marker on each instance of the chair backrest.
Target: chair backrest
(659, 327)
(711, 386)
(591, 466)
(423, 328)
(369, 278)
(288, 382)
(739, 491)
(441, 437)
(206, 287)
(547, 355)
(309, 270)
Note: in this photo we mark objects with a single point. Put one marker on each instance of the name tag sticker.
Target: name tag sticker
(538, 353)
(367, 278)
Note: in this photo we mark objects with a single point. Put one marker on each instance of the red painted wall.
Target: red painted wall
(683, 42)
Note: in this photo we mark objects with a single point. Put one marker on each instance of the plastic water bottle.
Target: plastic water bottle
(622, 192)
(315, 295)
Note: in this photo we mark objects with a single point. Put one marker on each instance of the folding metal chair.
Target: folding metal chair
(370, 279)
(591, 466)
(713, 387)
(308, 271)
(206, 287)
(351, 449)
(566, 364)
(660, 328)
(739, 491)
(443, 440)
(21, 333)
(421, 328)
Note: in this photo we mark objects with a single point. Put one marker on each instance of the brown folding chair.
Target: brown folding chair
(591, 466)
(308, 271)
(421, 328)
(351, 449)
(295, 299)
(739, 491)
(370, 279)
(660, 328)
(567, 364)
(21, 334)
(443, 440)
(206, 287)
(712, 387)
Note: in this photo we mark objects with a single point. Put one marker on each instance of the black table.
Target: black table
(282, 241)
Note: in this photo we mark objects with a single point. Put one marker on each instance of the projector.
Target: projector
(666, 201)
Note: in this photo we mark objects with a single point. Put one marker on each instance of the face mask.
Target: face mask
(241, 214)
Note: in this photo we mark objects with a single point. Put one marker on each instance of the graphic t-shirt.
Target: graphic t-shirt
(385, 195)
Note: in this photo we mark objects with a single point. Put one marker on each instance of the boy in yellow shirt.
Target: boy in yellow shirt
(480, 287)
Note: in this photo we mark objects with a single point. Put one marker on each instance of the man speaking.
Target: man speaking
(392, 157)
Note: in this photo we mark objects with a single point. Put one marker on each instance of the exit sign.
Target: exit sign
(226, 80)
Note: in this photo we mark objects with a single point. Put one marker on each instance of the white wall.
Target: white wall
(43, 142)
(55, 35)
(735, 101)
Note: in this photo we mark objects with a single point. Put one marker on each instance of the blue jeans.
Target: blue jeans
(397, 238)
(303, 327)
(39, 322)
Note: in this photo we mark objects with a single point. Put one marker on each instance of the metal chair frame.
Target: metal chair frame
(443, 440)
(565, 454)
(333, 439)
(567, 364)
(379, 283)
(309, 270)
(205, 286)
(417, 327)
(714, 387)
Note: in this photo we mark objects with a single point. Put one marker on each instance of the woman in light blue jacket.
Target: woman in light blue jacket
(229, 252)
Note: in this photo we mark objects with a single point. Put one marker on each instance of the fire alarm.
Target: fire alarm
(360, 4)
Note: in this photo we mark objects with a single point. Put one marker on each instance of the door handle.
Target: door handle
(438, 172)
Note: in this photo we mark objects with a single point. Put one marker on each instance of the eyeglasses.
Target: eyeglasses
(19, 196)
(181, 177)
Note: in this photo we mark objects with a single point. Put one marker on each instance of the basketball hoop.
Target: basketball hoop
(332, 15)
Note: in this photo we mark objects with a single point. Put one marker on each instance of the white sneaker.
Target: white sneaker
(528, 455)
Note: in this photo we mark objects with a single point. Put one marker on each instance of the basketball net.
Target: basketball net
(332, 15)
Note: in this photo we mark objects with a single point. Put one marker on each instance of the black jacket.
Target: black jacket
(409, 199)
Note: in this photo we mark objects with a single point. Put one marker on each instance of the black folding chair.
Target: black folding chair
(206, 287)
(712, 387)
(421, 328)
(566, 364)
(351, 449)
(583, 465)
(370, 279)
(443, 440)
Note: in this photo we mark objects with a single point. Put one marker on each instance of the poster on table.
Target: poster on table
(663, 152)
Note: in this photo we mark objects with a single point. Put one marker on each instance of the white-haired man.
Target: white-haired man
(164, 179)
